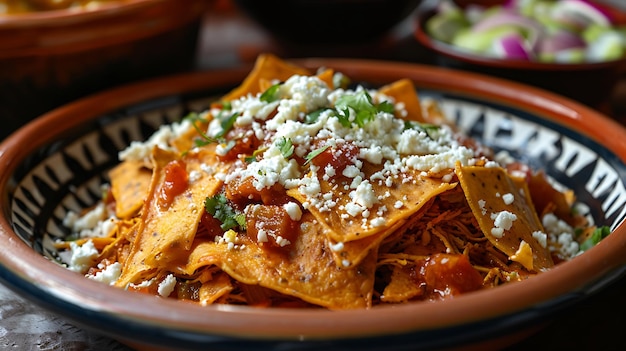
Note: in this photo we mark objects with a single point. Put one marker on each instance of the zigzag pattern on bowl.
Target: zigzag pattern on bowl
(69, 176)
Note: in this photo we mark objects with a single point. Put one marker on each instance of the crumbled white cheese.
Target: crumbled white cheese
(88, 220)
(162, 138)
(560, 236)
(481, 205)
(337, 247)
(541, 237)
(508, 198)
(83, 256)
(261, 236)
(293, 210)
(502, 221)
(166, 287)
(109, 275)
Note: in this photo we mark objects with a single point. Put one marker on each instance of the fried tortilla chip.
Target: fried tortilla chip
(548, 199)
(168, 232)
(412, 194)
(505, 213)
(267, 67)
(327, 76)
(350, 253)
(130, 184)
(306, 270)
(404, 90)
(212, 290)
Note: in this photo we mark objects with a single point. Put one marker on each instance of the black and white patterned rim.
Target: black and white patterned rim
(67, 176)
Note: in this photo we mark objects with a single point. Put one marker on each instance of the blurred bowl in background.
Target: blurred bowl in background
(328, 21)
(591, 83)
(48, 58)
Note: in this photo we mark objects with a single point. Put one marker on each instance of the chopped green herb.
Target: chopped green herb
(429, 129)
(204, 138)
(315, 153)
(361, 103)
(285, 146)
(227, 123)
(386, 106)
(313, 116)
(597, 235)
(271, 94)
(220, 209)
(255, 154)
(226, 105)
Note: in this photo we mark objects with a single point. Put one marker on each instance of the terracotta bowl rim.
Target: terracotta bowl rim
(65, 16)
(80, 299)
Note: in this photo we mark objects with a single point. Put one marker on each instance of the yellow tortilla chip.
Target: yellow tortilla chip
(212, 290)
(326, 76)
(118, 249)
(130, 184)
(412, 194)
(350, 253)
(168, 232)
(404, 90)
(306, 271)
(548, 199)
(496, 197)
(267, 67)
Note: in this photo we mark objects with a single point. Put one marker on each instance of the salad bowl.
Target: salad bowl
(550, 62)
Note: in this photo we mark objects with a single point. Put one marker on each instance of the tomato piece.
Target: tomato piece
(245, 143)
(211, 225)
(338, 157)
(242, 192)
(175, 183)
(270, 225)
(449, 275)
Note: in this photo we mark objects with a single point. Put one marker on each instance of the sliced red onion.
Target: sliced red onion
(560, 40)
(533, 29)
(512, 47)
(581, 13)
(506, 17)
(563, 31)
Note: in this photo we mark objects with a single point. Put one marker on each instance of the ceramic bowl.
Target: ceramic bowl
(327, 21)
(57, 162)
(53, 57)
(571, 80)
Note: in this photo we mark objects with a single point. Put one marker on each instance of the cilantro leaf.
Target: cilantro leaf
(597, 235)
(220, 209)
(195, 118)
(386, 106)
(285, 146)
(271, 94)
(429, 129)
(226, 105)
(315, 153)
(227, 123)
(313, 116)
(364, 109)
(255, 154)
